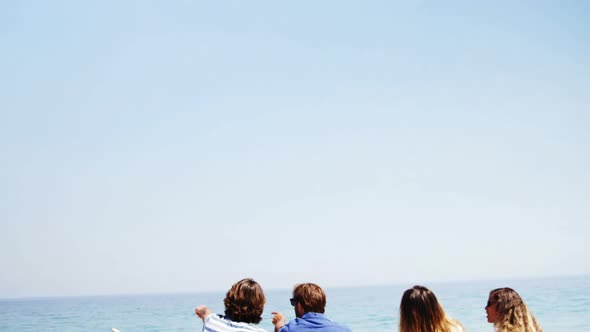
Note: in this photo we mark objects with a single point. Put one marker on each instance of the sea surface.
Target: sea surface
(560, 304)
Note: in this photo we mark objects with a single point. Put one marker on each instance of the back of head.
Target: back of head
(244, 302)
(311, 297)
(513, 313)
(420, 312)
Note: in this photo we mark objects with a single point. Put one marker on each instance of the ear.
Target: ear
(299, 309)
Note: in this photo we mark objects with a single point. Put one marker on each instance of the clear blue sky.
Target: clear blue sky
(164, 146)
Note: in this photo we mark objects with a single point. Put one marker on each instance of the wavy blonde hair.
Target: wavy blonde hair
(420, 311)
(513, 313)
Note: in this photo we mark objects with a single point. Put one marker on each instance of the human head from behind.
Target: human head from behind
(308, 297)
(420, 311)
(508, 312)
(244, 302)
(309, 302)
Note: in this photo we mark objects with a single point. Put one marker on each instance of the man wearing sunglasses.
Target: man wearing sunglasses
(309, 302)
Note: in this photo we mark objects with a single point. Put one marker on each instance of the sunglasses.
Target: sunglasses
(293, 301)
(489, 304)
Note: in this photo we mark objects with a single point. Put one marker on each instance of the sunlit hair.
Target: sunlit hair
(513, 314)
(311, 297)
(420, 311)
(244, 302)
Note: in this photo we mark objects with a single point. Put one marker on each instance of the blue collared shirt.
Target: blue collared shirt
(313, 321)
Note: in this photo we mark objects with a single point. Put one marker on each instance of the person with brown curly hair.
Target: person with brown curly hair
(508, 312)
(420, 311)
(309, 302)
(244, 304)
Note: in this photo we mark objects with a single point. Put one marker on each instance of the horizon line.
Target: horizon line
(394, 283)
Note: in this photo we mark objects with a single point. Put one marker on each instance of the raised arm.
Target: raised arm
(202, 311)
(278, 320)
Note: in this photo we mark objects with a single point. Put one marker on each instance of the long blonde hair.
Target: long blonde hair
(513, 313)
(420, 311)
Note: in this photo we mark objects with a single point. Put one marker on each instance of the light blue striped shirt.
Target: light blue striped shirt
(218, 323)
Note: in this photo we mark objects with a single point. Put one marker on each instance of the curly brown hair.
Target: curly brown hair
(513, 313)
(244, 302)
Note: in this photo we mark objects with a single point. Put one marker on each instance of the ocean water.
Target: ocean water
(560, 305)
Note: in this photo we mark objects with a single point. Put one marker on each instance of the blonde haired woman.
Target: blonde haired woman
(420, 311)
(508, 312)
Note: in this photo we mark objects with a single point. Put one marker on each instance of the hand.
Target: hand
(278, 320)
(202, 311)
